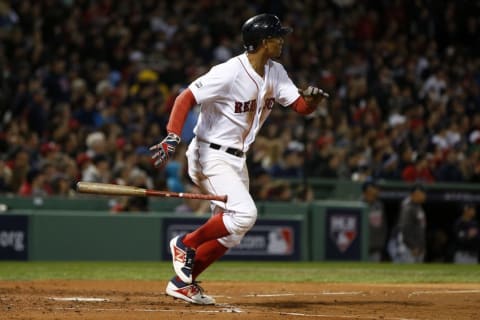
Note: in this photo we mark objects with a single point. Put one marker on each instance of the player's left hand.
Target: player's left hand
(165, 149)
(313, 93)
(313, 96)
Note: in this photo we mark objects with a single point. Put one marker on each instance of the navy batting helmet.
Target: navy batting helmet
(262, 26)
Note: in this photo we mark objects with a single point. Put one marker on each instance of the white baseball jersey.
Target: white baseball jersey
(236, 101)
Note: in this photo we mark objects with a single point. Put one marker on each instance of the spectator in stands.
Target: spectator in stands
(98, 170)
(5, 175)
(96, 143)
(136, 178)
(8, 16)
(20, 166)
(136, 204)
(35, 184)
(376, 220)
(418, 171)
(450, 170)
(304, 193)
(290, 165)
(388, 169)
(260, 183)
(467, 236)
(279, 190)
(60, 185)
(408, 240)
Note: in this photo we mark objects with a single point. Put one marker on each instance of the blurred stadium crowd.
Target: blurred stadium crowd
(86, 87)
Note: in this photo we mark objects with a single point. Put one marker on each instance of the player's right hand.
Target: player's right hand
(164, 150)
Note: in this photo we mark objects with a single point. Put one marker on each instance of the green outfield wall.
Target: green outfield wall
(296, 231)
(94, 236)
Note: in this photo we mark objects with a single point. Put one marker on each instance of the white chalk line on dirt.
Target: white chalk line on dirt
(417, 293)
(290, 294)
(237, 310)
(223, 310)
(338, 316)
(79, 299)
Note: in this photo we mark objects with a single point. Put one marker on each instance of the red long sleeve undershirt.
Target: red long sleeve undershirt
(302, 107)
(182, 105)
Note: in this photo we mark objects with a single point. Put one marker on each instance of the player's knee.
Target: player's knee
(244, 221)
(232, 240)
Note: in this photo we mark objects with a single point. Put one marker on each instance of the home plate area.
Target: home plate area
(58, 299)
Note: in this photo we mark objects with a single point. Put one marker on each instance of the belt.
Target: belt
(232, 151)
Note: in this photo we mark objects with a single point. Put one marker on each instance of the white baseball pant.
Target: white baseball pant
(218, 172)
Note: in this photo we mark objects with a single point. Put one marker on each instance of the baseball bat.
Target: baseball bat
(119, 190)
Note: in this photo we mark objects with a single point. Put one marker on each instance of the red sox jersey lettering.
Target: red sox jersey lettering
(251, 106)
(247, 106)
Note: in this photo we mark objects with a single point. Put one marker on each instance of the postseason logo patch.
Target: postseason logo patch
(343, 230)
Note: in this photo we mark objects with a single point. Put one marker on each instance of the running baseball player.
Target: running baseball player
(236, 98)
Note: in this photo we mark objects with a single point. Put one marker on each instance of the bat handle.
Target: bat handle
(186, 195)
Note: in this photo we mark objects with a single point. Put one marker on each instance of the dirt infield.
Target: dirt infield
(119, 300)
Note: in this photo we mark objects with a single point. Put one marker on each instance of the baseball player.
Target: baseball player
(236, 98)
(467, 236)
(408, 241)
(376, 220)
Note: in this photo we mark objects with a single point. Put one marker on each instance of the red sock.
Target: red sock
(214, 228)
(206, 254)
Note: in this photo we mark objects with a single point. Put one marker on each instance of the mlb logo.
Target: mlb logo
(343, 230)
(280, 241)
